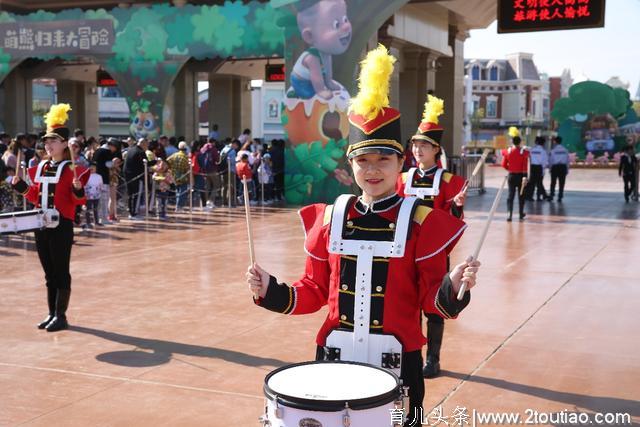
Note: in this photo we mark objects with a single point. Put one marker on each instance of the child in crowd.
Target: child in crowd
(92, 190)
(163, 178)
(244, 172)
(6, 192)
(265, 177)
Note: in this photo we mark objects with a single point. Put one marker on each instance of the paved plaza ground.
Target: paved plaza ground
(164, 332)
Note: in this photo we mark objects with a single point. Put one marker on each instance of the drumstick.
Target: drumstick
(247, 212)
(19, 163)
(73, 161)
(476, 252)
(481, 161)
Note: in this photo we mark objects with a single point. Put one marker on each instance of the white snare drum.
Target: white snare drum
(25, 221)
(331, 394)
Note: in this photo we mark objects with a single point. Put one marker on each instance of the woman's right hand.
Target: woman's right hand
(16, 179)
(258, 280)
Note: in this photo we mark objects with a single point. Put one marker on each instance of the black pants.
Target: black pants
(411, 375)
(54, 250)
(558, 173)
(278, 186)
(92, 207)
(629, 186)
(535, 182)
(134, 189)
(515, 182)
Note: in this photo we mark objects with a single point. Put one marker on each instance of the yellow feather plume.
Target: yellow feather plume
(513, 132)
(373, 83)
(57, 115)
(433, 108)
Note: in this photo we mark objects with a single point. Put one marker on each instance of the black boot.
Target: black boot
(51, 302)
(434, 342)
(62, 303)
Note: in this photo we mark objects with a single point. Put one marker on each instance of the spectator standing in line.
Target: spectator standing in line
(179, 165)
(199, 180)
(163, 179)
(214, 134)
(134, 171)
(172, 147)
(208, 160)
(559, 163)
(93, 189)
(5, 140)
(277, 169)
(243, 170)
(245, 137)
(38, 156)
(228, 163)
(627, 170)
(6, 192)
(265, 178)
(103, 158)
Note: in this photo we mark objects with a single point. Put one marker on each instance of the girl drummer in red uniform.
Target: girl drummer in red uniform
(372, 295)
(57, 189)
(438, 189)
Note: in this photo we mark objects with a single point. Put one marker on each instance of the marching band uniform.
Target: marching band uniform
(52, 190)
(515, 160)
(436, 188)
(376, 266)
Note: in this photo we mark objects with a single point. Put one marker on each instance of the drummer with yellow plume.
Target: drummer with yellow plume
(516, 161)
(365, 253)
(58, 187)
(438, 189)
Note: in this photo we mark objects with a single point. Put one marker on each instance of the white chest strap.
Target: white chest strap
(46, 180)
(422, 193)
(365, 251)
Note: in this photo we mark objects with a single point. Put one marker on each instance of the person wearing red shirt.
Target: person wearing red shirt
(376, 260)
(437, 189)
(516, 161)
(58, 189)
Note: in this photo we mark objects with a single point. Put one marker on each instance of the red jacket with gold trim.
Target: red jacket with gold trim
(65, 198)
(401, 287)
(450, 186)
(515, 159)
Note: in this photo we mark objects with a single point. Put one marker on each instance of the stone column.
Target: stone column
(185, 104)
(18, 104)
(450, 87)
(229, 104)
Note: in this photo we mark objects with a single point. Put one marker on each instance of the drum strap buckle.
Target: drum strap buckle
(391, 360)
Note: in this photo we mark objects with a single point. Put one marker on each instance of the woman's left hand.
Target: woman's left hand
(460, 198)
(76, 183)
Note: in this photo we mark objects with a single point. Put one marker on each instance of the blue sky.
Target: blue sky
(598, 53)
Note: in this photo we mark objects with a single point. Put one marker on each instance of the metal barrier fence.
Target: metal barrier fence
(463, 166)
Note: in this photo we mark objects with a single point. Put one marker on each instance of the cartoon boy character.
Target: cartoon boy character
(325, 27)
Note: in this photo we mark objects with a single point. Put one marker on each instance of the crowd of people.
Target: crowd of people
(209, 170)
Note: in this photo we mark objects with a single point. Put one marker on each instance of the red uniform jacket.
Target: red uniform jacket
(450, 186)
(64, 199)
(515, 159)
(401, 287)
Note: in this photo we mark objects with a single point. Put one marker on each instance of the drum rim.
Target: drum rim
(332, 405)
(16, 214)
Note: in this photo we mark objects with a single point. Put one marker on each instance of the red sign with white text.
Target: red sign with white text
(542, 15)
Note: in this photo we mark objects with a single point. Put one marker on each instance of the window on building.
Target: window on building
(494, 74)
(492, 108)
(475, 72)
(533, 108)
(110, 92)
(476, 105)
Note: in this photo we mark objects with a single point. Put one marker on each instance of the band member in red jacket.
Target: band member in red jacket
(438, 189)
(376, 260)
(516, 161)
(57, 189)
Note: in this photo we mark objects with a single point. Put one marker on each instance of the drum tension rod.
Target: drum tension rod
(346, 419)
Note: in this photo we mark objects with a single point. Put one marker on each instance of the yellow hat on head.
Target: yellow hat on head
(513, 132)
(374, 126)
(56, 120)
